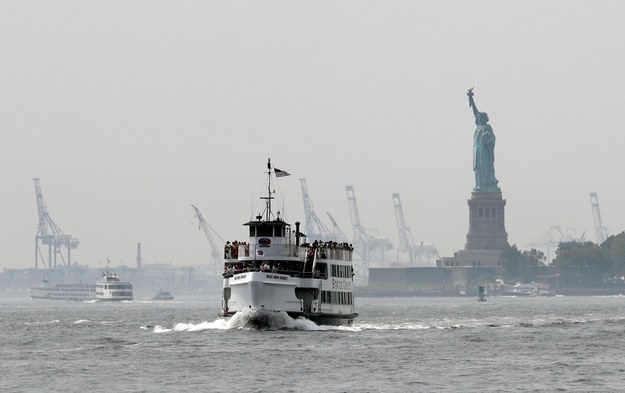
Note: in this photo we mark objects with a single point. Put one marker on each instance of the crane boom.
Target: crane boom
(216, 252)
(600, 230)
(406, 241)
(360, 234)
(337, 229)
(315, 229)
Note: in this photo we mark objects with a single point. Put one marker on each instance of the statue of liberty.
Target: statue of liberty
(483, 151)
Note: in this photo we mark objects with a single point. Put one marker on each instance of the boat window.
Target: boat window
(264, 230)
(252, 231)
(323, 269)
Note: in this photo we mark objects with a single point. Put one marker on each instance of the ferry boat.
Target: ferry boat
(110, 287)
(163, 295)
(63, 291)
(278, 271)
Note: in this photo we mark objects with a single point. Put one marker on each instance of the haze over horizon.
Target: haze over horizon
(131, 111)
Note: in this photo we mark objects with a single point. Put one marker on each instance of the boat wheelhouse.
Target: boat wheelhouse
(110, 287)
(278, 271)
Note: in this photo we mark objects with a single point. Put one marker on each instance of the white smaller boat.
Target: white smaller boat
(111, 288)
(531, 289)
(163, 295)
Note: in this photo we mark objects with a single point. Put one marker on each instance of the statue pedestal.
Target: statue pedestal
(487, 234)
(487, 229)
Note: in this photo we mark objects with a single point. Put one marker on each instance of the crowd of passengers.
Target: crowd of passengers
(324, 246)
(231, 250)
(291, 268)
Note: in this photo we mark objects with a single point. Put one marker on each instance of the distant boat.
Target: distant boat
(163, 295)
(531, 289)
(110, 287)
(63, 291)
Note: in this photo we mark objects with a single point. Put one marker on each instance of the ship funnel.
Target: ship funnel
(297, 233)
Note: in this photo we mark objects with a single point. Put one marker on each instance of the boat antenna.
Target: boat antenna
(269, 189)
(268, 198)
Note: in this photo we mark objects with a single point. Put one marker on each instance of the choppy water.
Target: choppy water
(402, 345)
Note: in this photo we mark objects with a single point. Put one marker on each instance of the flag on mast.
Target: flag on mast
(280, 172)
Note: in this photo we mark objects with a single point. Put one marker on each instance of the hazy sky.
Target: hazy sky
(129, 111)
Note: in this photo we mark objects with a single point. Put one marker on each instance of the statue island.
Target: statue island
(487, 233)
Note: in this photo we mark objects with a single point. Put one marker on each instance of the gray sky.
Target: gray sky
(129, 111)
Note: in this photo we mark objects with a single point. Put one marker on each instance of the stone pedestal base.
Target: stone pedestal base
(486, 222)
(487, 234)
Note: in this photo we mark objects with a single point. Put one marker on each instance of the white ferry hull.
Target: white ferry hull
(75, 292)
(65, 298)
(265, 293)
(114, 299)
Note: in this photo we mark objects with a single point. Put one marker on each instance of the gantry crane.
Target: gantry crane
(600, 230)
(337, 229)
(422, 252)
(406, 242)
(216, 261)
(315, 229)
(363, 241)
(49, 234)
(551, 239)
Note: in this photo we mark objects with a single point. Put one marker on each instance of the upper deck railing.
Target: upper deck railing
(304, 252)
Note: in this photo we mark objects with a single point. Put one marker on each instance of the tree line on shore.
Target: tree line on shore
(576, 264)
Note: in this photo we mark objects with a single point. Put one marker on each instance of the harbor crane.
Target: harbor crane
(600, 231)
(337, 229)
(421, 252)
(216, 261)
(364, 241)
(406, 242)
(315, 229)
(552, 237)
(50, 234)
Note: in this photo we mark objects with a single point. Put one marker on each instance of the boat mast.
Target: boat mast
(268, 197)
(269, 189)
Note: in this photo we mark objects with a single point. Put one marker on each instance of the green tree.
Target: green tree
(616, 251)
(583, 264)
(522, 266)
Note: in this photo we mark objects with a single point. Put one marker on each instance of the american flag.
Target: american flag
(280, 172)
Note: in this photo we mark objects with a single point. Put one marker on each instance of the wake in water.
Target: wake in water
(252, 320)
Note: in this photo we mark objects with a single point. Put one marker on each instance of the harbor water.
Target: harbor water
(397, 344)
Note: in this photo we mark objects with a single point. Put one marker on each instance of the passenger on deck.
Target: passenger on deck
(235, 250)
(227, 249)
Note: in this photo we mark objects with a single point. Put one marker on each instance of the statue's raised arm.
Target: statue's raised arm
(472, 103)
